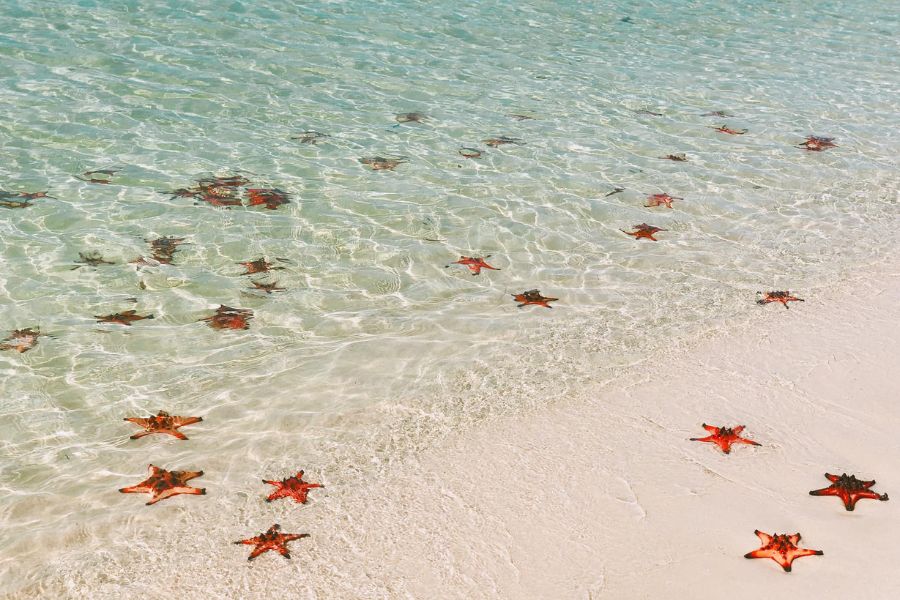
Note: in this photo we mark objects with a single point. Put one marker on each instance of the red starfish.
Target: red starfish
(643, 231)
(21, 340)
(271, 198)
(164, 484)
(724, 129)
(164, 248)
(218, 194)
(660, 199)
(292, 487)
(781, 548)
(122, 318)
(817, 144)
(724, 437)
(267, 287)
(475, 264)
(260, 265)
(783, 297)
(533, 297)
(162, 423)
(849, 489)
(227, 317)
(273, 539)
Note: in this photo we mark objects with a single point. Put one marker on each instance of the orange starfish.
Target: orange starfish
(267, 287)
(271, 198)
(164, 484)
(817, 144)
(783, 297)
(21, 340)
(660, 199)
(292, 487)
(122, 318)
(724, 437)
(163, 422)
(728, 130)
(260, 265)
(227, 317)
(273, 539)
(533, 297)
(849, 489)
(643, 231)
(781, 548)
(475, 264)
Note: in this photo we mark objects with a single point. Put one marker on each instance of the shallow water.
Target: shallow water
(376, 349)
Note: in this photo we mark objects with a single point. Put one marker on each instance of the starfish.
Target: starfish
(91, 259)
(15, 203)
(413, 117)
(164, 484)
(260, 265)
(616, 190)
(216, 193)
(533, 297)
(817, 144)
(380, 163)
(227, 317)
(783, 297)
(310, 137)
(273, 539)
(724, 437)
(123, 318)
(267, 287)
(21, 340)
(292, 487)
(475, 264)
(643, 231)
(500, 141)
(849, 489)
(26, 195)
(470, 152)
(660, 199)
(184, 193)
(675, 157)
(89, 175)
(781, 548)
(163, 423)
(271, 198)
(728, 130)
(164, 248)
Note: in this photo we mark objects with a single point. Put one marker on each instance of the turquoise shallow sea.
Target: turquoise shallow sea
(375, 349)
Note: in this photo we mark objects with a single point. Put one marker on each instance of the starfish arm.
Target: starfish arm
(258, 550)
(140, 434)
(748, 442)
(277, 494)
(174, 491)
(171, 432)
(867, 484)
(765, 538)
(289, 537)
(724, 444)
(188, 475)
(708, 438)
(758, 554)
(136, 489)
(249, 542)
(857, 496)
(711, 428)
(832, 478)
(138, 421)
(829, 491)
(182, 421)
(282, 550)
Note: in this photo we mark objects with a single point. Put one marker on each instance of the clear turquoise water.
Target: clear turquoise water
(376, 349)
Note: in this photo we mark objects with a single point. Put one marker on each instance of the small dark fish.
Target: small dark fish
(644, 111)
(615, 191)
(520, 117)
(91, 259)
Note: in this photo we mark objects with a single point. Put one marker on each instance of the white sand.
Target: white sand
(608, 499)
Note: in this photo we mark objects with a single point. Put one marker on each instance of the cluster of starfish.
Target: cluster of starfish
(19, 199)
(225, 191)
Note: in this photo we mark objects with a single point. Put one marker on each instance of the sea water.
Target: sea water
(376, 349)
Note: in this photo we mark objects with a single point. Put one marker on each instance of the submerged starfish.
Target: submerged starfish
(643, 231)
(273, 539)
(413, 117)
(817, 144)
(501, 140)
(164, 484)
(271, 198)
(260, 265)
(164, 248)
(310, 137)
(470, 152)
(21, 340)
(661, 199)
(123, 318)
(849, 489)
(15, 203)
(89, 175)
(675, 157)
(267, 287)
(781, 548)
(215, 193)
(728, 130)
(616, 190)
(475, 264)
(521, 117)
(163, 422)
(227, 317)
(783, 297)
(724, 437)
(91, 259)
(291, 487)
(533, 297)
(380, 163)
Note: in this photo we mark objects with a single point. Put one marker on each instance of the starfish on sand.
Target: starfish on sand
(730, 131)
(273, 539)
(21, 340)
(724, 437)
(122, 318)
(815, 143)
(533, 297)
(783, 297)
(270, 198)
(227, 317)
(781, 548)
(266, 287)
(643, 231)
(163, 422)
(849, 489)
(260, 265)
(660, 200)
(475, 263)
(381, 163)
(164, 484)
(291, 487)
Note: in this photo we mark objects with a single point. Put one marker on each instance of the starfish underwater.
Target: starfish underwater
(468, 152)
(661, 199)
(675, 157)
(849, 489)
(533, 297)
(163, 249)
(815, 143)
(521, 117)
(273, 539)
(783, 297)
(227, 317)
(90, 259)
(781, 548)
(21, 340)
(310, 137)
(271, 198)
(163, 422)
(475, 264)
(20, 199)
(501, 140)
(724, 437)
(291, 487)
(123, 318)
(412, 117)
(260, 265)
(728, 130)
(266, 287)
(643, 231)
(380, 163)
(88, 176)
(164, 484)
